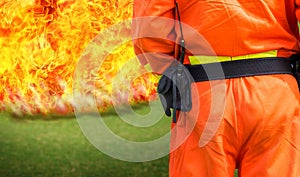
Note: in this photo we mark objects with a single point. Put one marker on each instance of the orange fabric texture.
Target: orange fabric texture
(231, 28)
(259, 130)
(259, 121)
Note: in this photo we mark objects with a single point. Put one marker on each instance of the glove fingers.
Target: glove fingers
(166, 106)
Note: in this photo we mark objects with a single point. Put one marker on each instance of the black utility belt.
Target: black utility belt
(174, 87)
(240, 68)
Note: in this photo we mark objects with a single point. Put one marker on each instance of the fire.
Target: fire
(42, 41)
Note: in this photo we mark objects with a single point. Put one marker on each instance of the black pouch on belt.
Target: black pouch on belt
(174, 89)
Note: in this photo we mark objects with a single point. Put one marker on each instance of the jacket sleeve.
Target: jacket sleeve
(153, 33)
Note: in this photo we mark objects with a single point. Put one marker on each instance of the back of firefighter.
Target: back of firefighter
(259, 129)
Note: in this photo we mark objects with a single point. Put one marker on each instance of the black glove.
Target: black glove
(175, 84)
(164, 89)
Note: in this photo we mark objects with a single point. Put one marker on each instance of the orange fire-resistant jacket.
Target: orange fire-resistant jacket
(260, 124)
(230, 27)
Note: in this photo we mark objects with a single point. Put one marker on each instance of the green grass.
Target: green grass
(35, 147)
(45, 146)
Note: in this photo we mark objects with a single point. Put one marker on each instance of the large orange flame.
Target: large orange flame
(42, 40)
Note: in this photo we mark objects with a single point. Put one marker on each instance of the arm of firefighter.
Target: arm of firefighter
(153, 33)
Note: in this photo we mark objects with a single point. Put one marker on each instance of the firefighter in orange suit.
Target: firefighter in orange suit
(259, 132)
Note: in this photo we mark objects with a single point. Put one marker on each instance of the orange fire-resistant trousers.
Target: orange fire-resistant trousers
(258, 130)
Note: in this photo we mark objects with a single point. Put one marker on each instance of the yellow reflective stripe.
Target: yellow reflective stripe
(272, 53)
(195, 60)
